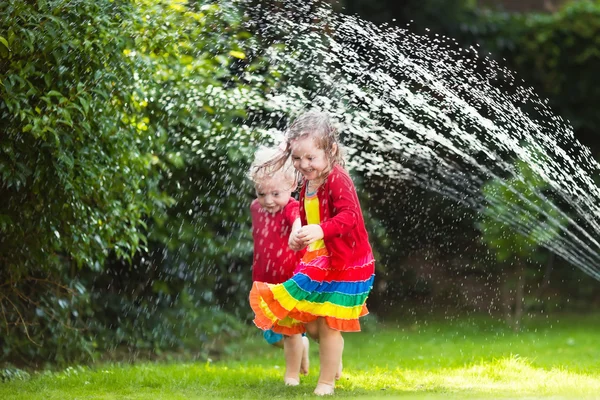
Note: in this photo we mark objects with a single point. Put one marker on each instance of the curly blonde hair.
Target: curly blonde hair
(264, 167)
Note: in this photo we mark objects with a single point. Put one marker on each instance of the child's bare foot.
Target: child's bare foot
(291, 381)
(324, 389)
(305, 362)
(338, 374)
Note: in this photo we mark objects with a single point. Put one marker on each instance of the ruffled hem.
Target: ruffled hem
(294, 321)
(286, 308)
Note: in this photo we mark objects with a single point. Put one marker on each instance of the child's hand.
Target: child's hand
(294, 243)
(309, 234)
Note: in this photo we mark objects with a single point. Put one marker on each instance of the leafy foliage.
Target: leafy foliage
(519, 220)
(114, 112)
(76, 179)
(555, 53)
(519, 199)
(127, 131)
(204, 88)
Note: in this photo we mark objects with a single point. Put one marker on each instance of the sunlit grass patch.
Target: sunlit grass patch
(478, 359)
(510, 377)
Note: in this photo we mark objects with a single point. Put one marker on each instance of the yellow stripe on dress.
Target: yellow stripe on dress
(287, 321)
(267, 312)
(329, 309)
(311, 206)
(282, 296)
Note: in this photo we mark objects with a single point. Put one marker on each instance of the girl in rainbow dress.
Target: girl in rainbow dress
(327, 293)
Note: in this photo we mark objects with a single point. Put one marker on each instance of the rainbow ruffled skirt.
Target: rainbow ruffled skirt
(315, 290)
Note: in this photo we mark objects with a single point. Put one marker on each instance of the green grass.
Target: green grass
(466, 358)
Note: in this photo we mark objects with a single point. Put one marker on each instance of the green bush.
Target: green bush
(205, 88)
(114, 112)
(76, 179)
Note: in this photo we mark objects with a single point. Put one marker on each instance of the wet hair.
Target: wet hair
(317, 124)
(314, 124)
(264, 167)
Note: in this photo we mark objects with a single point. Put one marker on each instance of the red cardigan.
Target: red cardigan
(342, 221)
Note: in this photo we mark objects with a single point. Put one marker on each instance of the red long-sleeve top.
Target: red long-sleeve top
(274, 261)
(343, 225)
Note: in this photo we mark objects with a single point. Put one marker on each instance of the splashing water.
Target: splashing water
(420, 109)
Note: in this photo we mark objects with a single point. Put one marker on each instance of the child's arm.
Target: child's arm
(296, 225)
(294, 242)
(346, 206)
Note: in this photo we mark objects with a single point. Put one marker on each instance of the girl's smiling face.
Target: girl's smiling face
(310, 160)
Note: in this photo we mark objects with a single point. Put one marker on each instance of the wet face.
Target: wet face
(274, 193)
(310, 160)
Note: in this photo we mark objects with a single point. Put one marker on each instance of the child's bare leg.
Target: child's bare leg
(292, 350)
(304, 364)
(331, 346)
(338, 375)
(312, 330)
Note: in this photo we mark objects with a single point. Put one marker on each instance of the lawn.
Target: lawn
(463, 358)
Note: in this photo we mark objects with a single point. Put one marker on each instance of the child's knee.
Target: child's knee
(312, 330)
(326, 331)
(293, 338)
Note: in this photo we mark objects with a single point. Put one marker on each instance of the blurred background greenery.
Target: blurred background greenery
(126, 131)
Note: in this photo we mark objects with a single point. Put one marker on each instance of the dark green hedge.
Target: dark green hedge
(123, 210)
(558, 54)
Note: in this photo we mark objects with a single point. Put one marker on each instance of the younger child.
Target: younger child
(327, 293)
(274, 216)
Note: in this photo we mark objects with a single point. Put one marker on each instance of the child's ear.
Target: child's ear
(334, 149)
